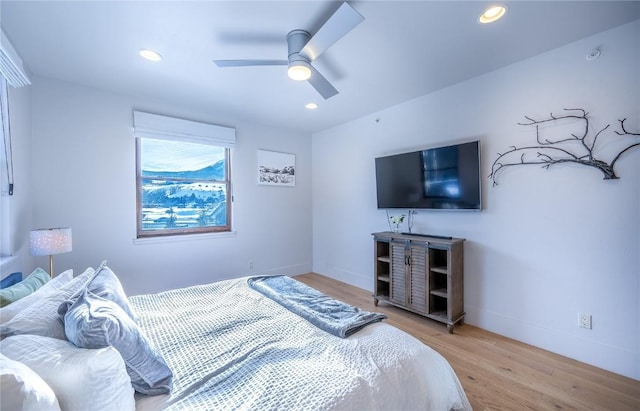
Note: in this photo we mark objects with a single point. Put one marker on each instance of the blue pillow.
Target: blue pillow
(29, 285)
(104, 283)
(95, 322)
(10, 280)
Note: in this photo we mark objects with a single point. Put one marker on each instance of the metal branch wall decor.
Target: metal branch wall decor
(577, 149)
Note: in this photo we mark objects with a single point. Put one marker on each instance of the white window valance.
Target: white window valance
(170, 128)
(11, 66)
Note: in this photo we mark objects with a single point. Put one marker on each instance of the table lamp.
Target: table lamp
(50, 241)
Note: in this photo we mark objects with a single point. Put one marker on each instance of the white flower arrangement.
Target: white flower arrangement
(396, 220)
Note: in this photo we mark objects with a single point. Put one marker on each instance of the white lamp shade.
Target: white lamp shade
(49, 241)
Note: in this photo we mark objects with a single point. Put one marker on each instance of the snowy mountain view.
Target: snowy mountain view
(187, 197)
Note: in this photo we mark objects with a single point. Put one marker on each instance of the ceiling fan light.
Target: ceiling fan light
(299, 70)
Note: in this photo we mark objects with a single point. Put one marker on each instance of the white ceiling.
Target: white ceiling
(403, 49)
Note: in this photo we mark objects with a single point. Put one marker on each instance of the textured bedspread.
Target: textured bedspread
(230, 347)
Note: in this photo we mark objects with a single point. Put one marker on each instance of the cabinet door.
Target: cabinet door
(398, 272)
(419, 280)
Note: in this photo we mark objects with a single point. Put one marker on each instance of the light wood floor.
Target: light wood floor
(499, 373)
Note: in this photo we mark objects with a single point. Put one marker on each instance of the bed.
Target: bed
(229, 346)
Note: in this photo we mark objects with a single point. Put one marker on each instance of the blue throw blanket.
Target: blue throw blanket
(332, 316)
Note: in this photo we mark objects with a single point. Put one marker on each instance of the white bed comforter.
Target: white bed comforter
(232, 348)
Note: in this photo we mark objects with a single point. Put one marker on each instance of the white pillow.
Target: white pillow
(9, 311)
(82, 379)
(41, 317)
(22, 389)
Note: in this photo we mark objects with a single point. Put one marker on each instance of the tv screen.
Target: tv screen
(446, 178)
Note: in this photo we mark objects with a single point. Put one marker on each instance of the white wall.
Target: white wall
(83, 166)
(16, 209)
(549, 243)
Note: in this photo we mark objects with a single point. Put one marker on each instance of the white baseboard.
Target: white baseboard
(596, 353)
(290, 270)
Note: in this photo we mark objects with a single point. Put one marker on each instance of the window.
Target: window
(12, 73)
(182, 176)
(6, 170)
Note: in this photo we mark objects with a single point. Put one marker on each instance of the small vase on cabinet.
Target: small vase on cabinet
(396, 220)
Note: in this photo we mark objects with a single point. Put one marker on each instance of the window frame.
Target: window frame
(6, 172)
(141, 233)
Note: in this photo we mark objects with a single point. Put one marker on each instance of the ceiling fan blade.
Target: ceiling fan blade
(321, 84)
(245, 63)
(345, 19)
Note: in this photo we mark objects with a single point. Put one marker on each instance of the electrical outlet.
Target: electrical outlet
(250, 265)
(584, 321)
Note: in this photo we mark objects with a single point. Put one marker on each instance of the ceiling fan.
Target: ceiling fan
(304, 48)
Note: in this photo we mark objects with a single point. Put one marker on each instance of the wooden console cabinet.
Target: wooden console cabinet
(422, 274)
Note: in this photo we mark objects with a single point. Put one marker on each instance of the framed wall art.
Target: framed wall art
(276, 169)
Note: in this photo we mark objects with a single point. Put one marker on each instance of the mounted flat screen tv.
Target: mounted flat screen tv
(442, 178)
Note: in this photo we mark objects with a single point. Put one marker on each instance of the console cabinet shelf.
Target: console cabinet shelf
(420, 273)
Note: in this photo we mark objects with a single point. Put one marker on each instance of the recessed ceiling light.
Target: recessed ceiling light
(311, 106)
(150, 55)
(492, 14)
